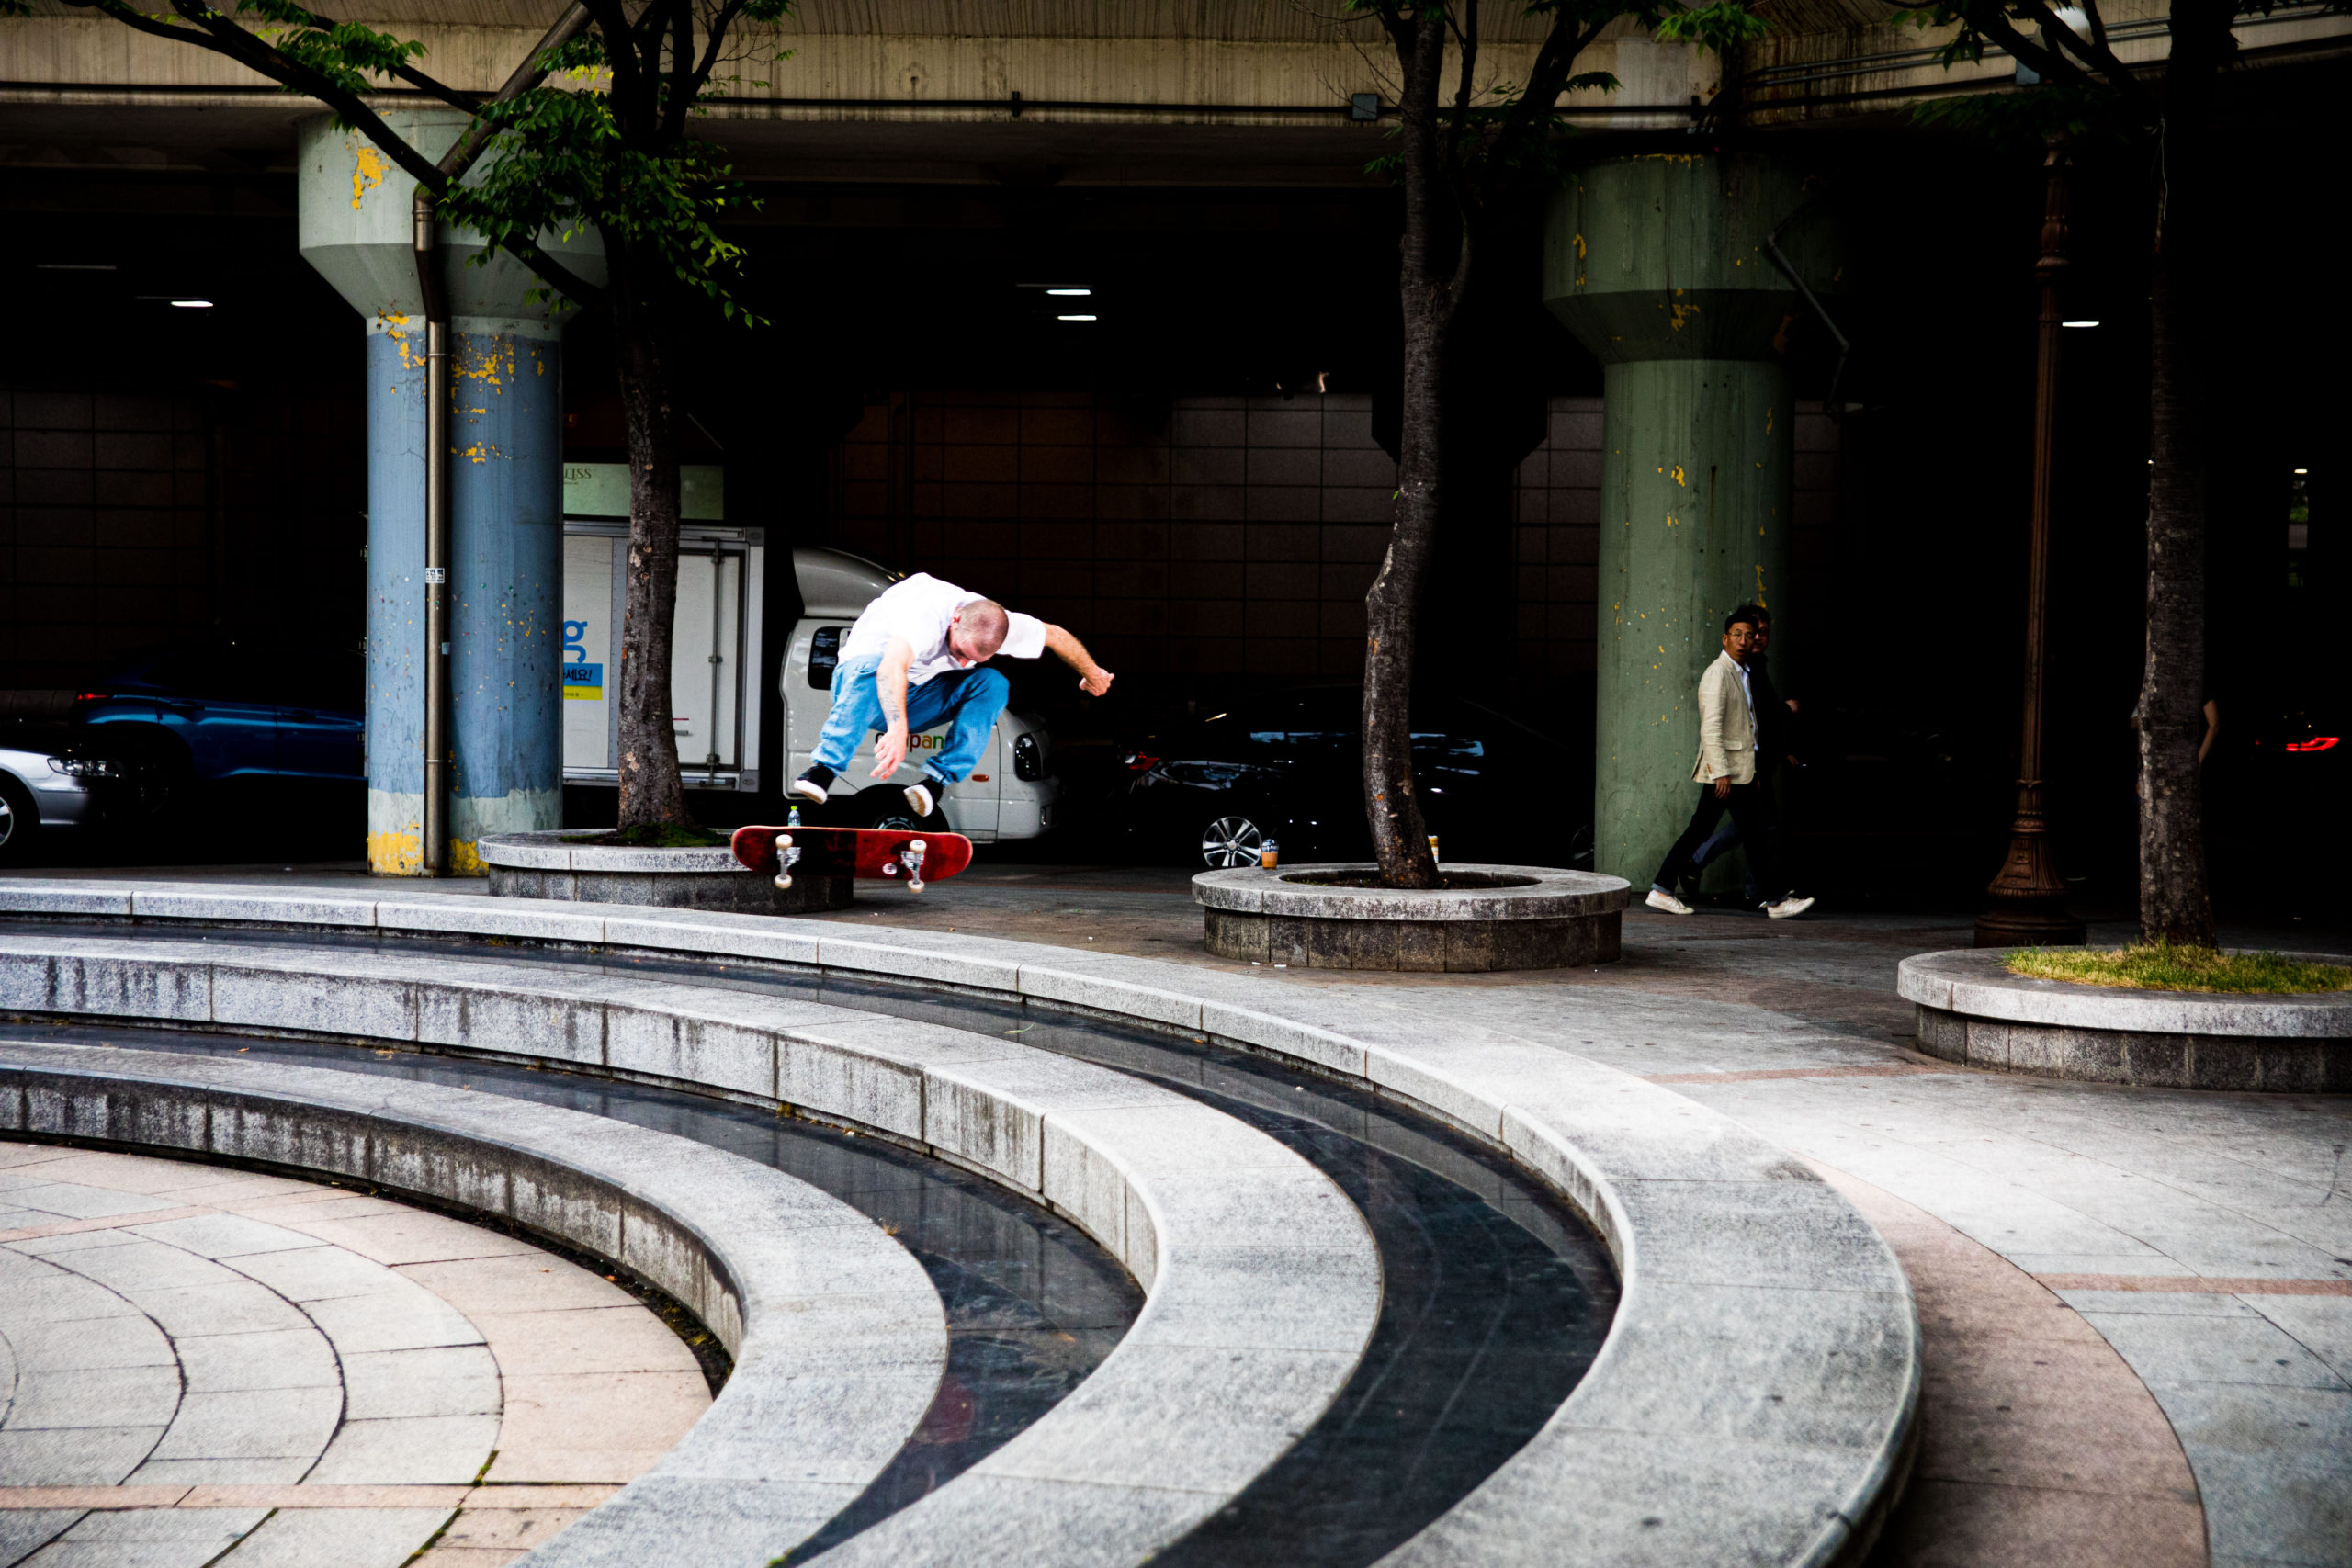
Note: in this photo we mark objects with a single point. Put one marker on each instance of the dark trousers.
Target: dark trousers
(1751, 812)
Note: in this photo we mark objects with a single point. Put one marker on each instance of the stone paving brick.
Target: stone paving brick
(404, 1235)
(347, 1537)
(409, 1450)
(74, 1455)
(644, 1415)
(606, 1339)
(223, 1236)
(286, 1358)
(456, 1380)
(514, 1282)
(352, 1459)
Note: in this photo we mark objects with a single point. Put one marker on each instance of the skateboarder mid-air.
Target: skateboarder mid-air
(915, 661)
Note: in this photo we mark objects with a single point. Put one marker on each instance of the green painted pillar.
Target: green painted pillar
(1657, 264)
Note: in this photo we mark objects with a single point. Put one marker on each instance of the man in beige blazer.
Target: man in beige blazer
(1726, 774)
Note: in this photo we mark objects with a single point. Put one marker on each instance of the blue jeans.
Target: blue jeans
(971, 698)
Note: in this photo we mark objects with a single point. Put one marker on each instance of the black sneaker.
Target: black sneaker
(814, 785)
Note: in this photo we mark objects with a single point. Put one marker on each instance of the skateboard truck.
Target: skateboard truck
(912, 858)
(787, 857)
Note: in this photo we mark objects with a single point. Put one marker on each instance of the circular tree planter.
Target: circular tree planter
(1972, 1010)
(572, 865)
(1487, 916)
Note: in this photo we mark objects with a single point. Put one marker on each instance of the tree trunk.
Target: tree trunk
(651, 793)
(1399, 836)
(2174, 906)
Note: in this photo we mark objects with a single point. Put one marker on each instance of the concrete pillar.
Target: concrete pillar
(1657, 264)
(505, 497)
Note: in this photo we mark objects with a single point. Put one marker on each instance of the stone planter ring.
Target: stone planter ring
(1972, 1010)
(573, 864)
(1486, 918)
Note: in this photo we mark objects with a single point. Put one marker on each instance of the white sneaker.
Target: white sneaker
(809, 790)
(919, 800)
(1660, 898)
(1788, 907)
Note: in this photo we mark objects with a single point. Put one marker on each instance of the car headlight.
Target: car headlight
(84, 767)
(1028, 757)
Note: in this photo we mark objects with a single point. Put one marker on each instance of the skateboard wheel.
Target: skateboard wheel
(889, 868)
(917, 845)
(782, 881)
(913, 887)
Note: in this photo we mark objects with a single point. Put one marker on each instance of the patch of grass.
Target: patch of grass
(2161, 966)
(664, 836)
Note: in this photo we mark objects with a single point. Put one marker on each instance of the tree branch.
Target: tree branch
(2051, 65)
(578, 289)
(1553, 62)
(522, 79)
(1466, 33)
(2096, 56)
(678, 101)
(720, 21)
(620, 47)
(227, 39)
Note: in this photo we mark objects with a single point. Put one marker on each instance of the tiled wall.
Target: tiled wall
(106, 530)
(129, 519)
(1219, 535)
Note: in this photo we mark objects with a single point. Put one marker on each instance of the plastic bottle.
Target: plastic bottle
(793, 820)
(1269, 856)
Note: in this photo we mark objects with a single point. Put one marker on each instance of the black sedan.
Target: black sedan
(1289, 767)
(238, 710)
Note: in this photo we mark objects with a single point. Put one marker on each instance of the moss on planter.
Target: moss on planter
(2161, 966)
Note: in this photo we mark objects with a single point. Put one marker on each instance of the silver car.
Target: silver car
(56, 777)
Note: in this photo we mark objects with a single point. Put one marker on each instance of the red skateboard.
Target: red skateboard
(851, 851)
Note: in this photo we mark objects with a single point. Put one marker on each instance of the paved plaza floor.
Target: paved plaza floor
(2137, 1304)
(201, 1365)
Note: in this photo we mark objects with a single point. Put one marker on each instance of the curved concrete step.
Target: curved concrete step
(1756, 1400)
(1262, 1282)
(838, 1335)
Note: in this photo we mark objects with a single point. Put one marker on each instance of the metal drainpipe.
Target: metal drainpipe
(436, 536)
(1829, 403)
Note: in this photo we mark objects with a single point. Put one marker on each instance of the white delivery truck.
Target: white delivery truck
(715, 657)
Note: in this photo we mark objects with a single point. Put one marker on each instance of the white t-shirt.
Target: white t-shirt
(919, 609)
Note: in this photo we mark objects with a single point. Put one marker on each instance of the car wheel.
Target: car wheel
(886, 807)
(1231, 840)
(18, 820)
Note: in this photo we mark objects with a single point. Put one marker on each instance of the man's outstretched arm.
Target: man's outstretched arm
(1091, 677)
(890, 687)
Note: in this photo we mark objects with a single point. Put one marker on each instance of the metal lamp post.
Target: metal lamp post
(2026, 894)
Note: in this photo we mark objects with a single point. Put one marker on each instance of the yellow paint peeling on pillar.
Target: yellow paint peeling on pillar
(367, 170)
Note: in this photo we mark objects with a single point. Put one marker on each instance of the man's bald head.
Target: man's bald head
(979, 630)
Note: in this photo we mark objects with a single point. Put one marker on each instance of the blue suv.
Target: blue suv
(237, 709)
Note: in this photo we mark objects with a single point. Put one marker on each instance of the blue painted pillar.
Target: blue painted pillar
(506, 570)
(396, 662)
(506, 494)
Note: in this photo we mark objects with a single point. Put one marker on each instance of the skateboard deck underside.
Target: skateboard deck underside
(853, 851)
